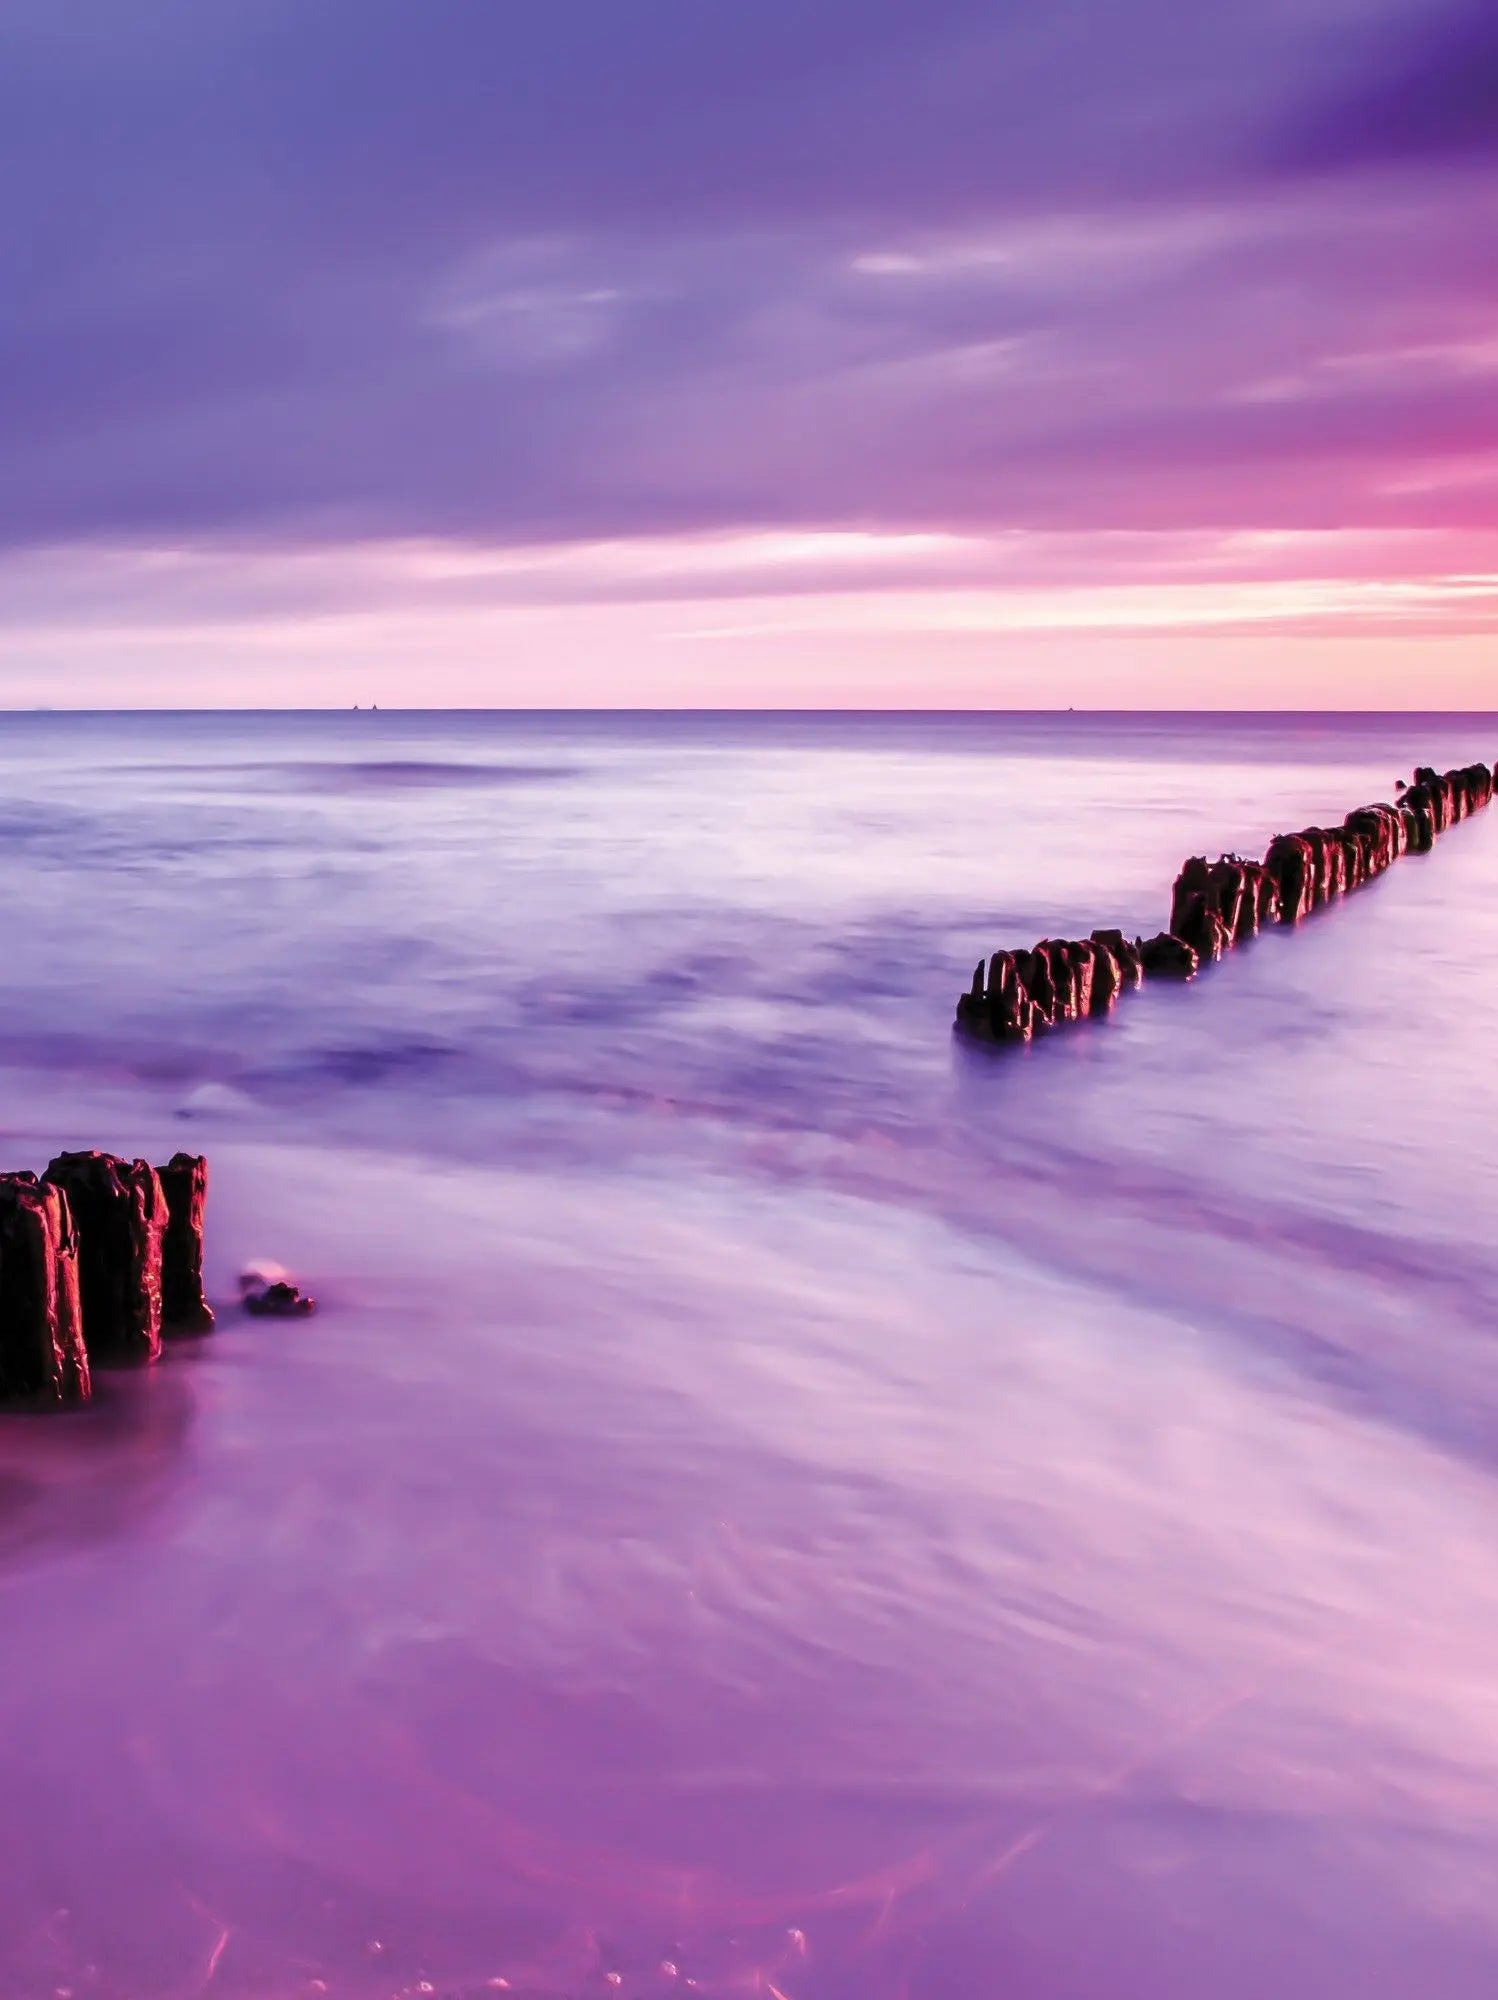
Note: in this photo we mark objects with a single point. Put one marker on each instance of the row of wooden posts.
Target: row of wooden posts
(1215, 905)
(99, 1258)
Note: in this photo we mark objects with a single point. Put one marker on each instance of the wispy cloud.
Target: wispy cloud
(678, 304)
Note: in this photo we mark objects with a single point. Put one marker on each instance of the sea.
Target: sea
(775, 1501)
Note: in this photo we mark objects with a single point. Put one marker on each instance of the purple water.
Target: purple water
(775, 1502)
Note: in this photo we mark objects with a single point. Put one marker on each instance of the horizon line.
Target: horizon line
(736, 712)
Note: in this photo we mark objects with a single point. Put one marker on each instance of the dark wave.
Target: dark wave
(395, 774)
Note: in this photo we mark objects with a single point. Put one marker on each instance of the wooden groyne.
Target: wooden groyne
(99, 1259)
(1216, 905)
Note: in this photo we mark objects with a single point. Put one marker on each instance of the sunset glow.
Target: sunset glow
(846, 357)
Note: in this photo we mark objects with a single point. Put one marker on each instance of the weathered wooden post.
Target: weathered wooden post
(42, 1354)
(184, 1308)
(120, 1213)
(1215, 906)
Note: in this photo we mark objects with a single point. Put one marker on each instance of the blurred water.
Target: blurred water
(775, 1501)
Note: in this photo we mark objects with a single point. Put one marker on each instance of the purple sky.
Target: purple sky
(657, 350)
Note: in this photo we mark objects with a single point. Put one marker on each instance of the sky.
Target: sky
(749, 352)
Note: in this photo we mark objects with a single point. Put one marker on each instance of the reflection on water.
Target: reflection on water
(774, 1502)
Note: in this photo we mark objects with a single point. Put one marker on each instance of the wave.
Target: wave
(393, 774)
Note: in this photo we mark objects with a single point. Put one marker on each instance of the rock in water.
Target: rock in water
(41, 1325)
(280, 1300)
(120, 1214)
(184, 1182)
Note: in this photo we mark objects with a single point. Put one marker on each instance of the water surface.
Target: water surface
(775, 1501)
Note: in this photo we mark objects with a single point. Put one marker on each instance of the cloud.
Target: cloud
(1091, 371)
(977, 284)
(1430, 92)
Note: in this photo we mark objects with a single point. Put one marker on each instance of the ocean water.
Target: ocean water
(775, 1502)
